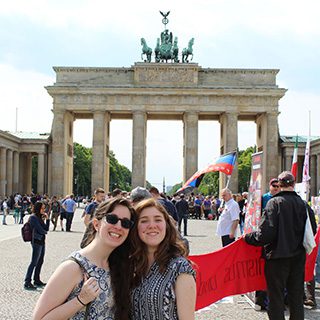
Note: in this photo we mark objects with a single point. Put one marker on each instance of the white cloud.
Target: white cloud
(294, 116)
(24, 89)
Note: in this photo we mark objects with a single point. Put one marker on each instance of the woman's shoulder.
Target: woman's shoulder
(72, 263)
(181, 265)
(83, 262)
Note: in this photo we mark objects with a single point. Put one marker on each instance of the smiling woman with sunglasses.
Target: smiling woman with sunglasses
(93, 283)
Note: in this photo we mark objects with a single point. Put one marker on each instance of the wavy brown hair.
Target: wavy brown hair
(118, 260)
(171, 246)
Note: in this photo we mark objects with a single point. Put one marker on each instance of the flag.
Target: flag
(294, 167)
(305, 173)
(224, 163)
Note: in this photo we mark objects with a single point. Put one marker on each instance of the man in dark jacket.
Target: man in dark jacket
(281, 233)
(182, 207)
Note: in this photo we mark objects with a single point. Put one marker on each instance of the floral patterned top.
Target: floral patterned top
(154, 298)
(102, 308)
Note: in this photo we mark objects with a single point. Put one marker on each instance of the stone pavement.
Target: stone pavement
(16, 303)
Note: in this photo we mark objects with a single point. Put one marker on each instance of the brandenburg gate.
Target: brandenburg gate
(162, 91)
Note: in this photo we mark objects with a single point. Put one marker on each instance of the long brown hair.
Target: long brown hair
(171, 246)
(118, 260)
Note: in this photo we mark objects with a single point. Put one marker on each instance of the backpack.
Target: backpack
(26, 232)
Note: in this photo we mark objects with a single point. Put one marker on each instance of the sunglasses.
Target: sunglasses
(275, 186)
(113, 219)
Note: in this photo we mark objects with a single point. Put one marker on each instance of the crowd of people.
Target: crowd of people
(132, 262)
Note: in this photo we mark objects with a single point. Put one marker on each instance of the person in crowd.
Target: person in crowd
(63, 211)
(190, 200)
(168, 205)
(116, 193)
(218, 204)
(55, 211)
(69, 206)
(39, 222)
(94, 280)
(25, 207)
(16, 212)
(281, 233)
(229, 218)
(198, 207)
(99, 196)
(138, 194)
(206, 206)
(241, 202)
(4, 207)
(274, 188)
(183, 214)
(163, 284)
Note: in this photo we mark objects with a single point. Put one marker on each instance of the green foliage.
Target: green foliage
(210, 184)
(82, 159)
(244, 168)
(120, 176)
(175, 188)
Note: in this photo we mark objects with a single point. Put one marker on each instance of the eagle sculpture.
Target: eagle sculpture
(164, 14)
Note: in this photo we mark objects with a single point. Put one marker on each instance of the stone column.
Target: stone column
(139, 136)
(16, 172)
(313, 175)
(58, 154)
(28, 173)
(190, 144)
(268, 142)
(100, 151)
(62, 153)
(288, 164)
(49, 173)
(3, 170)
(9, 172)
(40, 175)
(228, 143)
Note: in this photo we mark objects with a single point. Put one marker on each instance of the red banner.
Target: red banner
(235, 269)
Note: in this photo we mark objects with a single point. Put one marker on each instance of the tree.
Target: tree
(120, 175)
(244, 168)
(210, 184)
(82, 159)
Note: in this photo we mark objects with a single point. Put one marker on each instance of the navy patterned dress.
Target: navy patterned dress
(102, 308)
(154, 298)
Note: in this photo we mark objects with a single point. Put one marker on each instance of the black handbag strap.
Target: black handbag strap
(83, 272)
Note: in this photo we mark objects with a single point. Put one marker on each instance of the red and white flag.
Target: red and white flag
(305, 173)
(294, 167)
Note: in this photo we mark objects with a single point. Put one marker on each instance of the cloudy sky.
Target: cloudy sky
(36, 35)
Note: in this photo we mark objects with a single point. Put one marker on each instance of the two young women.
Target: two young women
(133, 266)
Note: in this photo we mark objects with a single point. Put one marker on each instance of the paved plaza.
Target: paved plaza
(16, 303)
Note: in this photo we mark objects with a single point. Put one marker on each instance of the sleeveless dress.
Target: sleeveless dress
(102, 308)
(154, 298)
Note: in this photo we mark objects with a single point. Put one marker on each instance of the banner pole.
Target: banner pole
(228, 180)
